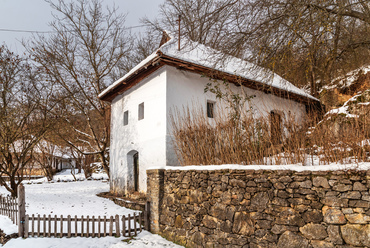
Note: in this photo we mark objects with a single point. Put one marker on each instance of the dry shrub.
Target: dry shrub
(199, 140)
(342, 138)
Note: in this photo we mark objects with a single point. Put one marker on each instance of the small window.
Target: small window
(141, 111)
(125, 118)
(210, 109)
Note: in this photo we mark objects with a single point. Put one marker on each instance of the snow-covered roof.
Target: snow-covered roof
(54, 150)
(202, 55)
(43, 146)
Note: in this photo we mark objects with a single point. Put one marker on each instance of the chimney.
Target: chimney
(179, 39)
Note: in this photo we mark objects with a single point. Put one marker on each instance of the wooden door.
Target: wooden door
(136, 171)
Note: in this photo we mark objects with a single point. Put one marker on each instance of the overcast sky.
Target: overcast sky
(34, 15)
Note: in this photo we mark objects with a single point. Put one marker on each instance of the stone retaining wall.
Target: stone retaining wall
(249, 208)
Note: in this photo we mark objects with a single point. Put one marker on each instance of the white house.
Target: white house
(142, 99)
(49, 154)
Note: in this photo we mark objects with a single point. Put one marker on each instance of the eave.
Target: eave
(132, 79)
(161, 59)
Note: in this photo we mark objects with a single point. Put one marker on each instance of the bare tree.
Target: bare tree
(203, 21)
(300, 36)
(25, 105)
(145, 43)
(308, 42)
(356, 9)
(81, 56)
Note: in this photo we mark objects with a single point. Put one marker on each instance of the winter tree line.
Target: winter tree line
(50, 92)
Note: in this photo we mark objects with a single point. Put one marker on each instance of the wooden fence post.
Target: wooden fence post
(21, 210)
(26, 226)
(118, 233)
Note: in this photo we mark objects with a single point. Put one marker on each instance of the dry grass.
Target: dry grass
(199, 140)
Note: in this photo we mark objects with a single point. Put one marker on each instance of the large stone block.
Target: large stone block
(292, 240)
(321, 244)
(357, 235)
(335, 202)
(289, 216)
(260, 200)
(358, 218)
(237, 183)
(226, 198)
(285, 179)
(359, 186)
(210, 222)
(218, 211)
(321, 182)
(243, 224)
(342, 187)
(351, 195)
(280, 202)
(314, 216)
(359, 204)
(306, 184)
(334, 234)
(333, 215)
(198, 238)
(226, 226)
(197, 196)
(314, 231)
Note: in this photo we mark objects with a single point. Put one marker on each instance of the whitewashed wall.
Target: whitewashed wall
(185, 88)
(162, 92)
(145, 136)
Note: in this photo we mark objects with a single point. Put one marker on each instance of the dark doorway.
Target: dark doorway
(275, 122)
(136, 171)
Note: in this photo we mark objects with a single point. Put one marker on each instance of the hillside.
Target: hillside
(343, 88)
(343, 135)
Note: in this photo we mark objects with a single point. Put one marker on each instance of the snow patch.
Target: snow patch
(7, 225)
(143, 240)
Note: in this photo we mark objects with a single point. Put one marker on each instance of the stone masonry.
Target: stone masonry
(261, 208)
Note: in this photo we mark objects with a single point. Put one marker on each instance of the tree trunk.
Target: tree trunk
(13, 186)
(105, 164)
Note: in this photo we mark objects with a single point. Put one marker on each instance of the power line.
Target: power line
(22, 31)
(46, 32)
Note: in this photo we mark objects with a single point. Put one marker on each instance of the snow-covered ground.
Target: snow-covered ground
(7, 226)
(68, 197)
(143, 240)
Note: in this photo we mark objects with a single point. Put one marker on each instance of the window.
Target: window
(125, 118)
(210, 109)
(141, 111)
